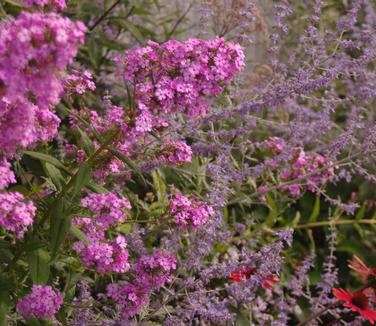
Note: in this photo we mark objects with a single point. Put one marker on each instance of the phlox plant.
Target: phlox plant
(187, 163)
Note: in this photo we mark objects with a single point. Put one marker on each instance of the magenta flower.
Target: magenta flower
(16, 215)
(43, 303)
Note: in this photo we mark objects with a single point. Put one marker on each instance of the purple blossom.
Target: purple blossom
(16, 214)
(43, 303)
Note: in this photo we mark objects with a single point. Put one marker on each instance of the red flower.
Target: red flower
(362, 269)
(357, 302)
(364, 272)
(242, 275)
(270, 280)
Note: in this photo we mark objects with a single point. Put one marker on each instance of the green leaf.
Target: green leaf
(134, 31)
(5, 301)
(361, 212)
(78, 234)
(47, 158)
(13, 3)
(54, 174)
(33, 322)
(60, 225)
(159, 184)
(316, 210)
(39, 266)
(81, 179)
(242, 319)
(97, 188)
(86, 142)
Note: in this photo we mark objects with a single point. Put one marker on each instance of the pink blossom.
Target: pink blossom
(16, 215)
(79, 82)
(43, 303)
(6, 174)
(154, 270)
(129, 298)
(190, 212)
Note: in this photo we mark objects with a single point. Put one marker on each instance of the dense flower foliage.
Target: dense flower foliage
(99, 252)
(43, 302)
(16, 215)
(31, 83)
(79, 82)
(190, 212)
(173, 163)
(357, 302)
(6, 174)
(178, 76)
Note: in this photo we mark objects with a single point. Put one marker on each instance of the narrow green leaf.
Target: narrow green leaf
(39, 265)
(47, 158)
(82, 178)
(33, 322)
(13, 3)
(60, 225)
(78, 234)
(97, 188)
(54, 174)
(159, 184)
(134, 31)
(316, 210)
(86, 142)
(4, 297)
(361, 212)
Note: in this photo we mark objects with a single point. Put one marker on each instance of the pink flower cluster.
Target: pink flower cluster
(54, 5)
(129, 298)
(6, 174)
(175, 153)
(43, 303)
(175, 77)
(130, 138)
(104, 255)
(35, 49)
(152, 272)
(190, 212)
(313, 168)
(179, 76)
(79, 82)
(16, 215)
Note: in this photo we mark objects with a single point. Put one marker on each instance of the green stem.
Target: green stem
(99, 20)
(335, 222)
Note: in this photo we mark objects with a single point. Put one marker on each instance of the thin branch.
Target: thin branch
(178, 22)
(100, 19)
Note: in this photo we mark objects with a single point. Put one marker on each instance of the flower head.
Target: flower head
(362, 269)
(357, 302)
(16, 215)
(43, 302)
(238, 276)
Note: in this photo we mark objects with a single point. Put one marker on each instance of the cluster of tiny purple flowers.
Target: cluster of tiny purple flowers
(43, 303)
(16, 215)
(79, 82)
(297, 168)
(189, 212)
(178, 76)
(152, 272)
(100, 253)
(7, 176)
(31, 83)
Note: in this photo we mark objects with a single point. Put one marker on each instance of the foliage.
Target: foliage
(173, 163)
